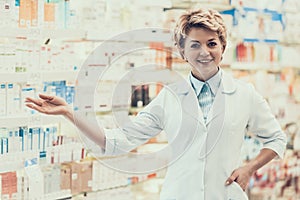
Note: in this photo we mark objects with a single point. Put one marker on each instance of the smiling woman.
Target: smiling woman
(205, 118)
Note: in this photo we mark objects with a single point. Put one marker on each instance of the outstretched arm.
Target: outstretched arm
(53, 105)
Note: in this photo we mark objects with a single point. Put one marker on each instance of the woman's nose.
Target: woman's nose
(204, 51)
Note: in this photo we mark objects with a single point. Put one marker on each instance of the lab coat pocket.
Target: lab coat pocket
(235, 192)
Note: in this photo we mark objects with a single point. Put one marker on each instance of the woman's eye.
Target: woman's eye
(195, 45)
(212, 44)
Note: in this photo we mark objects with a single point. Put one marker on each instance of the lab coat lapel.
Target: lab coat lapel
(215, 125)
(189, 100)
(227, 86)
(217, 107)
(191, 106)
(217, 114)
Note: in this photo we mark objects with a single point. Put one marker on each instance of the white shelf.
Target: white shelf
(38, 33)
(58, 76)
(29, 120)
(147, 34)
(15, 161)
(134, 36)
(38, 77)
(64, 34)
(255, 66)
(179, 4)
(63, 194)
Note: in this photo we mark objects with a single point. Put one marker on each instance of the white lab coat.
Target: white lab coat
(203, 155)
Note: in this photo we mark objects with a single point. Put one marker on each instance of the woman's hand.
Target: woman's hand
(51, 105)
(241, 176)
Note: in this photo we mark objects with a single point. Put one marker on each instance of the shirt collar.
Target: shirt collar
(213, 82)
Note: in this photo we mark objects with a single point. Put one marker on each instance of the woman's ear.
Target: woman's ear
(223, 49)
(181, 52)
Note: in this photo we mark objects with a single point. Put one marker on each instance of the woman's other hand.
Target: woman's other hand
(241, 175)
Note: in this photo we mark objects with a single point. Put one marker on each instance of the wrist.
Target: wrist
(68, 113)
(253, 166)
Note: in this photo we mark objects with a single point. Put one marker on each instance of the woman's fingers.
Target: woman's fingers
(35, 107)
(53, 99)
(34, 101)
(46, 97)
(232, 178)
(28, 99)
(30, 105)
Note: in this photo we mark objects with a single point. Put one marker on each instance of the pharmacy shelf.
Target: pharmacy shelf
(15, 161)
(290, 43)
(257, 40)
(145, 35)
(148, 34)
(179, 4)
(29, 120)
(255, 66)
(58, 76)
(38, 33)
(38, 77)
(63, 194)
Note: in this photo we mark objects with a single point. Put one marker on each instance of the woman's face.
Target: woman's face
(203, 50)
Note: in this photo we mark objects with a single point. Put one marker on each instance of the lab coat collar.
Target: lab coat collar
(181, 88)
(184, 87)
(186, 93)
(228, 84)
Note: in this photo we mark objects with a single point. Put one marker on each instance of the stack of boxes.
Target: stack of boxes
(8, 185)
(76, 176)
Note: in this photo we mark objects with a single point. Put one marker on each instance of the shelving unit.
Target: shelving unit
(59, 195)
(37, 119)
(39, 33)
(147, 35)
(255, 66)
(36, 37)
(104, 31)
(184, 5)
(38, 77)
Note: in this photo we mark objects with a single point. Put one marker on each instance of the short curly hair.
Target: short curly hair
(208, 19)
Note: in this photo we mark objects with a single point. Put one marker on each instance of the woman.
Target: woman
(205, 119)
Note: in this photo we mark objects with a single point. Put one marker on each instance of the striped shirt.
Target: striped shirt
(206, 91)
